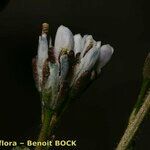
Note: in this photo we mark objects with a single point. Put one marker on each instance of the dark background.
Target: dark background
(98, 119)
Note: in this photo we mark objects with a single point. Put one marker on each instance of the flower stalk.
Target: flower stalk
(134, 125)
(46, 128)
(140, 110)
(144, 88)
(140, 100)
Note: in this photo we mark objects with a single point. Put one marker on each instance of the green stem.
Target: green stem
(134, 125)
(140, 100)
(45, 129)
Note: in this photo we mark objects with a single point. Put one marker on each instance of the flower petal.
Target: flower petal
(63, 40)
(42, 49)
(83, 41)
(106, 52)
(88, 61)
(98, 44)
(89, 42)
(42, 56)
(77, 43)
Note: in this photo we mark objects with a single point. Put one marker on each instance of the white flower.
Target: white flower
(63, 40)
(83, 41)
(106, 52)
(77, 43)
(42, 56)
(60, 67)
(89, 60)
(42, 49)
(88, 43)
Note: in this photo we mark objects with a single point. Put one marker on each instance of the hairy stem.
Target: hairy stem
(138, 104)
(46, 128)
(134, 125)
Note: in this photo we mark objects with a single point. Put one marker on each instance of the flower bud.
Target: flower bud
(88, 61)
(77, 43)
(89, 42)
(41, 57)
(64, 40)
(105, 54)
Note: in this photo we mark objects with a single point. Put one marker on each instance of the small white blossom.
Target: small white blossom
(89, 60)
(88, 44)
(77, 43)
(59, 68)
(106, 52)
(63, 40)
(42, 56)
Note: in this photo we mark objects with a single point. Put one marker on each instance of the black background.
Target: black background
(97, 120)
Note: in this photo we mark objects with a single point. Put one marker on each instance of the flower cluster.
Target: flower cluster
(67, 68)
